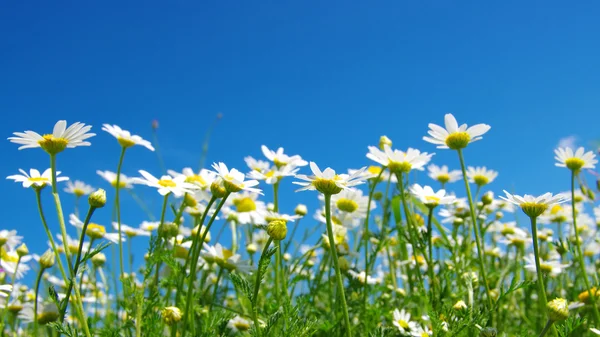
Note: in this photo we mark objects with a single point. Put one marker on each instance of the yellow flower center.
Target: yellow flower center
(574, 164)
(399, 167)
(181, 252)
(481, 179)
(122, 184)
(546, 268)
(516, 241)
(506, 229)
(241, 325)
(244, 205)
(533, 209)
(327, 186)
(347, 205)
(278, 162)
(432, 200)
(403, 323)
(555, 209)
(46, 317)
(443, 178)
(53, 145)
(196, 179)
(9, 257)
(458, 140)
(336, 220)
(95, 231)
(374, 169)
(78, 192)
(166, 183)
(125, 142)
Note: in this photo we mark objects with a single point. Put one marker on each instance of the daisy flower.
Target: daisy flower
(481, 175)
(575, 161)
(60, 138)
(149, 226)
(442, 174)
(166, 184)
(280, 159)
(360, 277)
(552, 266)
(421, 331)
(5, 289)
(203, 178)
(398, 161)
(402, 321)
(239, 324)
(273, 174)
(257, 165)
(454, 137)
(111, 177)
(327, 182)
(352, 202)
(125, 138)
(10, 238)
(225, 258)
(79, 188)
(47, 312)
(12, 264)
(35, 179)
(94, 230)
(233, 179)
(430, 198)
(535, 206)
(245, 209)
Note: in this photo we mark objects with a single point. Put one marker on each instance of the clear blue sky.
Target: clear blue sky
(322, 79)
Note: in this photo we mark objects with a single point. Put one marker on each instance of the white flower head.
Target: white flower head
(575, 161)
(35, 179)
(233, 180)
(454, 137)
(398, 161)
(480, 175)
(535, 206)
(79, 188)
(111, 177)
(280, 159)
(10, 238)
(166, 184)
(125, 138)
(60, 138)
(430, 198)
(327, 182)
(442, 174)
(203, 178)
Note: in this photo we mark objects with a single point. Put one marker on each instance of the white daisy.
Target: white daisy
(454, 137)
(361, 277)
(398, 161)
(234, 179)
(166, 184)
(535, 206)
(94, 230)
(430, 198)
(327, 182)
(239, 324)
(10, 238)
(9, 260)
(481, 175)
(47, 312)
(274, 174)
(225, 258)
(125, 138)
(421, 331)
(111, 177)
(551, 266)
(203, 178)
(35, 179)
(60, 138)
(149, 226)
(442, 174)
(79, 188)
(5, 289)
(402, 321)
(280, 159)
(257, 165)
(575, 161)
(245, 208)
(352, 202)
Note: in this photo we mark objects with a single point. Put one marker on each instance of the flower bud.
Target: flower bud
(384, 140)
(251, 248)
(558, 310)
(301, 210)
(22, 250)
(277, 229)
(97, 199)
(217, 189)
(287, 257)
(189, 200)
(99, 259)
(460, 305)
(377, 196)
(487, 198)
(168, 230)
(47, 259)
(171, 315)
(344, 264)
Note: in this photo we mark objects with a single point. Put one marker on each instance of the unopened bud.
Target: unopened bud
(22, 250)
(189, 200)
(99, 259)
(301, 210)
(487, 198)
(558, 310)
(377, 196)
(251, 248)
(47, 259)
(460, 305)
(277, 229)
(171, 315)
(97, 199)
(168, 230)
(384, 140)
(217, 189)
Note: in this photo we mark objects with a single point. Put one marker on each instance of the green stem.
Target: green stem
(162, 222)
(14, 278)
(430, 248)
(538, 269)
(546, 328)
(336, 264)
(214, 295)
(257, 287)
(35, 304)
(118, 207)
(592, 294)
(475, 230)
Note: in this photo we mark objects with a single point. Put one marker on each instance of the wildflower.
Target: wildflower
(47, 259)
(421, 331)
(79, 188)
(125, 138)
(10, 238)
(5, 289)
(352, 201)
(203, 178)
(430, 198)
(460, 305)
(383, 141)
(398, 161)
(97, 199)
(535, 206)
(280, 159)
(551, 266)
(480, 175)
(35, 179)
(47, 313)
(454, 137)
(402, 321)
(301, 210)
(239, 324)
(171, 315)
(111, 177)
(166, 184)
(277, 229)
(233, 180)
(442, 174)
(361, 277)
(245, 209)
(225, 258)
(575, 161)
(558, 310)
(60, 138)
(13, 263)
(327, 182)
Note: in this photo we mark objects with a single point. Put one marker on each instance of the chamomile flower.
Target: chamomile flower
(454, 137)
(5, 289)
(111, 177)
(79, 188)
(352, 202)
(398, 161)
(166, 184)
(442, 174)
(430, 198)
(94, 230)
(47, 312)
(13, 264)
(535, 206)
(360, 277)
(225, 258)
(10, 238)
(125, 138)
(402, 321)
(280, 159)
(233, 180)
(203, 178)
(245, 208)
(551, 266)
(35, 179)
(575, 161)
(480, 175)
(273, 174)
(421, 331)
(239, 324)
(327, 182)
(60, 138)
(257, 165)
(149, 226)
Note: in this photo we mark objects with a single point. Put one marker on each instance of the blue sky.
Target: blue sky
(322, 79)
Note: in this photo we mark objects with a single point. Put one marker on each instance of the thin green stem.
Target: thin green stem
(476, 231)
(162, 222)
(118, 208)
(257, 287)
(546, 328)
(336, 264)
(35, 304)
(538, 269)
(430, 248)
(214, 295)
